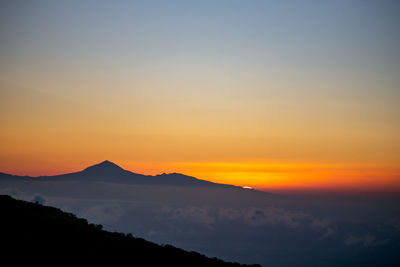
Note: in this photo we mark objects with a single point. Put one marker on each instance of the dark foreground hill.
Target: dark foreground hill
(36, 234)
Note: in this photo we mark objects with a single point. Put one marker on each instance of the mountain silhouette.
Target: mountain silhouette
(36, 234)
(104, 167)
(110, 172)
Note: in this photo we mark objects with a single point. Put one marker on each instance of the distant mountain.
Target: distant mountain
(108, 171)
(35, 234)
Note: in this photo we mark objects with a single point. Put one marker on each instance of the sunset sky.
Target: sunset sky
(269, 94)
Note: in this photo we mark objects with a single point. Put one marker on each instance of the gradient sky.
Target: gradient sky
(269, 94)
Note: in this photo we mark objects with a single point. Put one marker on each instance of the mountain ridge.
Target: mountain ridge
(107, 171)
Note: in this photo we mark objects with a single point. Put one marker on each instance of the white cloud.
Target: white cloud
(193, 214)
(39, 199)
(103, 214)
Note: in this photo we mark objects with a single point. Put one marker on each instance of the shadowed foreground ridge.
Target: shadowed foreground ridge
(39, 234)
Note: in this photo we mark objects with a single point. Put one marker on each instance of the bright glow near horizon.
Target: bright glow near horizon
(262, 94)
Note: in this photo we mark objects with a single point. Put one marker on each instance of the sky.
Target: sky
(276, 95)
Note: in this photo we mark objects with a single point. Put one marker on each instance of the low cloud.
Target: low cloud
(256, 216)
(353, 240)
(367, 240)
(323, 226)
(273, 215)
(253, 216)
(103, 214)
(18, 194)
(192, 214)
(39, 199)
(14, 192)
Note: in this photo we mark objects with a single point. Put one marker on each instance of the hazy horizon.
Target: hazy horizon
(295, 190)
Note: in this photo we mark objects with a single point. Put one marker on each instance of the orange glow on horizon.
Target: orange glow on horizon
(255, 100)
(295, 176)
(277, 177)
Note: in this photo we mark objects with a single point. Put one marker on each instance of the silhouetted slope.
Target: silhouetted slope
(46, 235)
